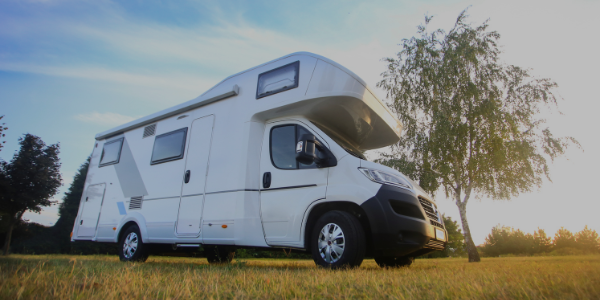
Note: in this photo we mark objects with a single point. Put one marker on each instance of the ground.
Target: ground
(105, 277)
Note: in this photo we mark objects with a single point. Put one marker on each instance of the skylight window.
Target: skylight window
(278, 80)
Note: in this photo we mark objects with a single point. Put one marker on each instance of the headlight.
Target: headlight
(386, 178)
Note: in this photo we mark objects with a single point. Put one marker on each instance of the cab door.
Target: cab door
(287, 186)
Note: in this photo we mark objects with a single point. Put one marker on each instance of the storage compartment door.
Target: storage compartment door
(196, 167)
(91, 210)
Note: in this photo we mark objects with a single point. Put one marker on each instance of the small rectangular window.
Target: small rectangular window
(111, 152)
(278, 80)
(169, 146)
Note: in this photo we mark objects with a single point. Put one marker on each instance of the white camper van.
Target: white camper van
(269, 158)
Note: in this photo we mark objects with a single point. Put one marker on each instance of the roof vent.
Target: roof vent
(135, 203)
(149, 130)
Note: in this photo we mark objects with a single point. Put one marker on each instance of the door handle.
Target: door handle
(267, 180)
(187, 176)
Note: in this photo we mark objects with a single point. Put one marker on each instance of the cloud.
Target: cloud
(108, 118)
(178, 81)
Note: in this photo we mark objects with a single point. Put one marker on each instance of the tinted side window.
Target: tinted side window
(283, 147)
(111, 152)
(169, 146)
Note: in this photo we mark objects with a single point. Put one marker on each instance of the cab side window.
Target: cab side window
(283, 147)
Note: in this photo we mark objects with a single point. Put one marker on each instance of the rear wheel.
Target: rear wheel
(131, 246)
(338, 240)
(394, 262)
(219, 254)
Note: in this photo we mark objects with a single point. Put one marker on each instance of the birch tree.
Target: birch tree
(472, 124)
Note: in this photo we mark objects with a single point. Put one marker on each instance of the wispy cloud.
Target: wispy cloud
(178, 81)
(107, 118)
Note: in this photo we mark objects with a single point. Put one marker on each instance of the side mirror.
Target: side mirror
(306, 153)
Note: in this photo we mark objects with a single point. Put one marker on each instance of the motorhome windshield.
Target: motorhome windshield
(342, 142)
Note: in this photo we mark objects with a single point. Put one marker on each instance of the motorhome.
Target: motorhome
(269, 158)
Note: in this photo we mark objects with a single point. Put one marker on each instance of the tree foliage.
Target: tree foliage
(57, 239)
(29, 181)
(563, 238)
(471, 123)
(507, 240)
(588, 239)
(2, 134)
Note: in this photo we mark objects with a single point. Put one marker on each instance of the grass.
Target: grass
(104, 277)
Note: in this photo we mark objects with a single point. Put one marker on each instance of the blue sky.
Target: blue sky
(71, 69)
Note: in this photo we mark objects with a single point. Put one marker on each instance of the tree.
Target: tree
(471, 123)
(563, 238)
(29, 181)
(588, 240)
(541, 242)
(2, 134)
(456, 240)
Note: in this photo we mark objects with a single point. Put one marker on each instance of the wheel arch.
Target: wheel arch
(318, 209)
(132, 219)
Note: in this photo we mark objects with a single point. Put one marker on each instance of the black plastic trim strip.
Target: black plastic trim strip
(230, 191)
(161, 198)
(289, 187)
(192, 195)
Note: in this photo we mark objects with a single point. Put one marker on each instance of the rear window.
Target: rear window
(278, 80)
(169, 146)
(111, 152)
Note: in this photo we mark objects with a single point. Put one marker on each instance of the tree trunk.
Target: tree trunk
(13, 221)
(471, 249)
(11, 226)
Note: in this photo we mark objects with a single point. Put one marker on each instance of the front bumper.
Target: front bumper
(400, 226)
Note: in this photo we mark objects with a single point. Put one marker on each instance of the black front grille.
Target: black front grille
(438, 245)
(429, 209)
(437, 224)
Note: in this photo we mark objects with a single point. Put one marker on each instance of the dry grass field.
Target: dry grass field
(104, 277)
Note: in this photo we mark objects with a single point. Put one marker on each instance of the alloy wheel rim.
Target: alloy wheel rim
(331, 243)
(130, 245)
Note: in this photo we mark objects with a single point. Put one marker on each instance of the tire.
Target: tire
(394, 262)
(131, 246)
(338, 241)
(219, 254)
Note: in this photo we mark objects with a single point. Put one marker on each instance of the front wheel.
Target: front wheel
(131, 247)
(338, 240)
(394, 262)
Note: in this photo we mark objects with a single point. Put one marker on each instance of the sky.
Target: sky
(71, 69)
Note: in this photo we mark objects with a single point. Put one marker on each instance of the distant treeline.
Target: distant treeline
(505, 240)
